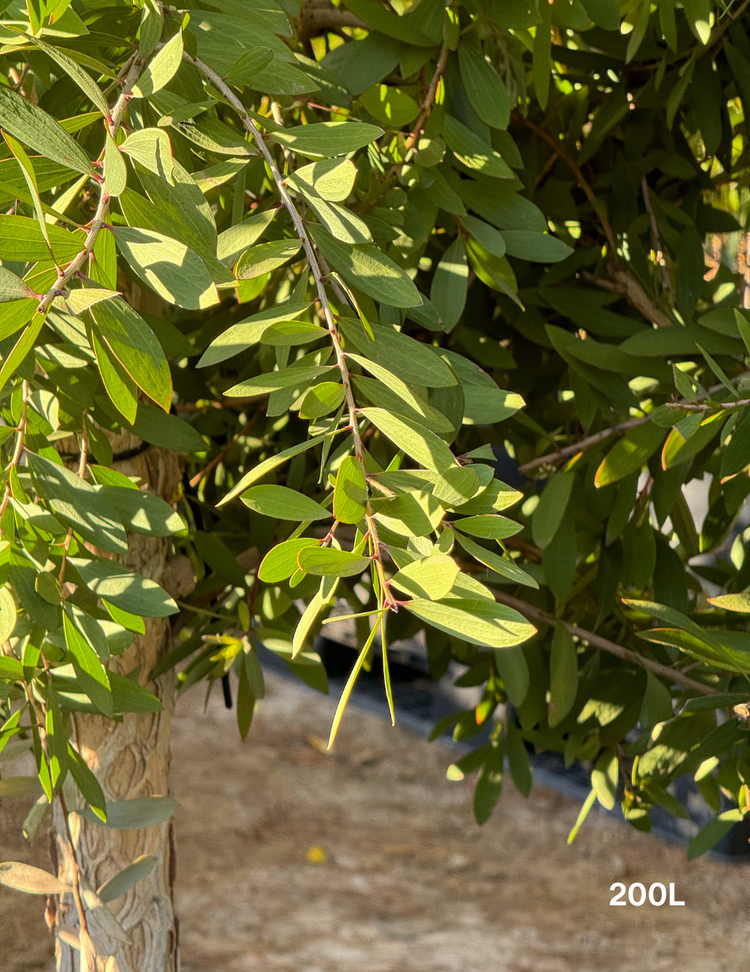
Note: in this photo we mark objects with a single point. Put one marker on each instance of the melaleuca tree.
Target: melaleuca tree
(296, 302)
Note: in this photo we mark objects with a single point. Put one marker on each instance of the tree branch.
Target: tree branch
(596, 641)
(622, 282)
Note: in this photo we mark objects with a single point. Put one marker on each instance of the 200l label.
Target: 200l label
(657, 895)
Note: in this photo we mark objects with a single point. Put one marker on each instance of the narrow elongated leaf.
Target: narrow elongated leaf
(294, 377)
(450, 284)
(328, 562)
(630, 454)
(563, 675)
(137, 814)
(397, 353)
(550, 510)
(327, 139)
(350, 491)
(32, 880)
(486, 90)
(265, 257)
(91, 674)
(283, 503)
(127, 878)
(431, 577)
(22, 239)
(503, 566)
(74, 71)
(423, 446)
(79, 504)
(365, 267)
(134, 345)
(35, 128)
(479, 622)
(172, 269)
(473, 151)
(115, 170)
(281, 561)
(331, 179)
(12, 288)
(161, 69)
(124, 588)
(489, 526)
(239, 337)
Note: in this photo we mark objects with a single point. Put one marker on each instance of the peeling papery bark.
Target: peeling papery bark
(131, 759)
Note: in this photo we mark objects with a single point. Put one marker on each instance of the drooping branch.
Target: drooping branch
(318, 277)
(537, 614)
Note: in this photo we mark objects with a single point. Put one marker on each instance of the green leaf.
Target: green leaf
(151, 147)
(87, 783)
(350, 491)
(28, 171)
(479, 622)
(657, 702)
(518, 757)
(137, 814)
(489, 784)
(263, 468)
(604, 13)
(550, 510)
(422, 445)
(133, 344)
(490, 238)
(160, 71)
(331, 179)
(293, 377)
(732, 602)
(536, 247)
(368, 269)
(409, 360)
(247, 333)
(604, 778)
(503, 566)
(35, 128)
(630, 454)
(473, 151)
(328, 562)
(708, 836)
(584, 812)
(115, 170)
(327, 138)
(124, 588)
(79, 504)
(124, 880)
(22, 239)
(142, 512)
(488, 526)
(281, 561)
(390, 105)
(322, 399)
(265, 257)
(431, 577)
(91, 674)
(563, 686)
(290, 334)
(450, 285)
(169, 267)
(84, 81)
(12, 288)
(487, 93)
(283, 503)
(7, 615)
(422, 410)
(168, 431)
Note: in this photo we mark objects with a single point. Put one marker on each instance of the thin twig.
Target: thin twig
(656, 233)
(553, 458)
(622, 281)
(537, 614)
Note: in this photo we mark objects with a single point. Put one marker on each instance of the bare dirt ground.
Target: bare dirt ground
(368, 860)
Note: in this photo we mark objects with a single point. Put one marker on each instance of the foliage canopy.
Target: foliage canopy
(406, 268)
